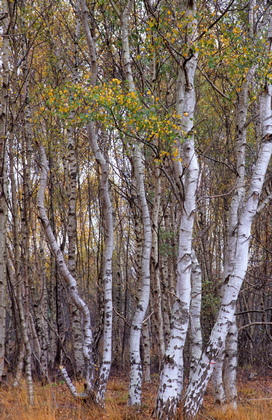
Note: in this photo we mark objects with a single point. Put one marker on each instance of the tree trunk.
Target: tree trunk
(135, 388)
(218, 381)
(235, 279)
(195, 312)
(171, 379)
(156, 291)
(230, 365)
(20, 287)
(72, 218)
(40, 311)
(108, 225)
(146, 351)
(144, 283)
(3, 179)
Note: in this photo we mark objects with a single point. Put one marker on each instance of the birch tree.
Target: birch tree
(186, 176)
(107, 215)
(107, 211)
(195, 313)
(241, 228)
(72, 219)
(144, 280)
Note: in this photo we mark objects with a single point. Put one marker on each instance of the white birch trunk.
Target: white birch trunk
(233, 221)
(3, 271)
(84, 13)
(19, 366)
(195, 312)
(230, 366)
(171, 379)
(40, 310)
(25, 232)
(72, 219)
(236, 203)
(146, 351)
(108, 224)
(234, 280)
(135, 388)
(167, 282)
(217, 380)
(25, 348)
(108, 221)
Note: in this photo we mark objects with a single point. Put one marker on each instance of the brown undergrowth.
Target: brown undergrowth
(54, 402)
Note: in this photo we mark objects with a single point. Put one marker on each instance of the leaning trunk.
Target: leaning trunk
(234, 281)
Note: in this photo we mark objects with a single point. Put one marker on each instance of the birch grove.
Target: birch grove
(135, 199)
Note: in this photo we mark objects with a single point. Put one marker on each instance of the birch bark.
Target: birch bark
(233, 220)
(144, 284)
(195, 312)
(234, 281)
(72, 219)
(156, 290)
(247, 209)
(146, 351)
(108, 219)
(40, 311)
(230, 366)
(135, 388)
(25, 227)
(25, 348)
(108, 225)
(186, 176)
(217, 380)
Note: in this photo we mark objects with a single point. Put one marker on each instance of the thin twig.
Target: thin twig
(216, 195)
(205, 417)
(264, 387)
(213, 85)
(147, 318)
(122, 317)
(258, 399)
(254, 323)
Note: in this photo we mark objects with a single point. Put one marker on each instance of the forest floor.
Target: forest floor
(54, 402)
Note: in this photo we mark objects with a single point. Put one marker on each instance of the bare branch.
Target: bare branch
(254, 323)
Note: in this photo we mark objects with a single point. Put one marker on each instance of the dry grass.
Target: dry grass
(54, 402)
(254, 402)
